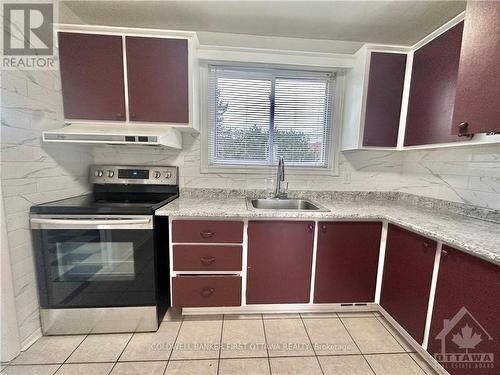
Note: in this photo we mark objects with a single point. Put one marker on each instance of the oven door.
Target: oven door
(98, 261)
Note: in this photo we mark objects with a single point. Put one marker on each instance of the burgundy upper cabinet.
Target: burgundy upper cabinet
(346, 262)
(92, 76)
(158, 84)
(406, 284)
(467, 294)
(478, 86)
(383, 101)
(432, 90)
(279, 261)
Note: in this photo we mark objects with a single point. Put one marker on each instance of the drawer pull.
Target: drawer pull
(207, 292)
(207, 261)
(207, 233)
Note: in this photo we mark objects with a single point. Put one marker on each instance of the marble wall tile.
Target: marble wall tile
(33, 173)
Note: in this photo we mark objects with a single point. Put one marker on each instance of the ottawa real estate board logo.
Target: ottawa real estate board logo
(463, 342)
(28, 36)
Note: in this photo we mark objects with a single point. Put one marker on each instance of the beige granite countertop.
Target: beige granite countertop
(478, 237)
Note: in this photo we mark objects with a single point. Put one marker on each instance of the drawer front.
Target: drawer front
(207, 231)
(206, 291)
(207, 258)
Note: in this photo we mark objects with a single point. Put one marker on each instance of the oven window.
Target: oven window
(94, 261)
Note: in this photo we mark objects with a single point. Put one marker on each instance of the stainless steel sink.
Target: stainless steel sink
(284, 205)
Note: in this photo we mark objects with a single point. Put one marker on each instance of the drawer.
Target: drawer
(207, 231)
(206, 291)
(207, 258)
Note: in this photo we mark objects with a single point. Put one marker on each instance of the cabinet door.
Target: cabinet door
(383, 101)
(478, 86)
(432, 90)
(471, 283)
(346, 262)
(279, 261)
(158, 79)
(408, 267)
(92, 76)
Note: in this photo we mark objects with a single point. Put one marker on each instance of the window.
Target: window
(256, 116)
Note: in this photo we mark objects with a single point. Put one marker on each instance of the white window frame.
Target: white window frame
(332, 168)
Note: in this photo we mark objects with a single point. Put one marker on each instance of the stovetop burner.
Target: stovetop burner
(118, 190)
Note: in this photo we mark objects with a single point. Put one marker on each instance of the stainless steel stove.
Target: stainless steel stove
(101, 258)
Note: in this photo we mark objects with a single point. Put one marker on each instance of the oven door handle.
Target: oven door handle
(125, 223)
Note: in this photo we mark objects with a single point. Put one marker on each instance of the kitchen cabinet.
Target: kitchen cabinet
(92, 76)
(279, 261)
(466, 282)
(206, 257)
(158, 83)
(206, 291)
(406, 283)
(432, 90)
(99, 71)
(207, 231)
(383, 101)
(478, 87)
(346, 262)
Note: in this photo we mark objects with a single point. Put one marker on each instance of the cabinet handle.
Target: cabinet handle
(207, 292)
(444, 253)
(310, 227)
(207, 260)
(462, 130)
(207, 233)
(427, 246)
(118, 116)
(323, 228)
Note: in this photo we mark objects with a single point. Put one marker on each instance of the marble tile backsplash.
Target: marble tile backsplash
(33, 173)
(469, 175)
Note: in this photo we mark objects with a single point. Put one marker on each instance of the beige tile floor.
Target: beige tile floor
(323, 344)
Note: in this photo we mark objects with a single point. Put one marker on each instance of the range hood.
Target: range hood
(116, 134)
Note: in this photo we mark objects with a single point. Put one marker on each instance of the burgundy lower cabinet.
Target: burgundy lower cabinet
(207, 231)
(347, 261)
(206, 291)
(279, 261)
(207, 257)
(466, 315)
(406, 284)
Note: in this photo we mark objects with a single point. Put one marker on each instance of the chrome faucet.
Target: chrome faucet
(280, 177)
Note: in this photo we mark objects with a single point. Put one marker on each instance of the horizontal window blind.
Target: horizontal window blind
(257, 115)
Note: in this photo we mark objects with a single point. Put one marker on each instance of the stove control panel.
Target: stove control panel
(133, 174)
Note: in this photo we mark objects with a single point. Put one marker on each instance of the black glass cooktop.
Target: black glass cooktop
(118, 203)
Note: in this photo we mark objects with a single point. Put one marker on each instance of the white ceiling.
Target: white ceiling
(393, 22)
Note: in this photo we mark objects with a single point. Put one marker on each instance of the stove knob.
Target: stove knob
(111, 173)
(157, 174)
(168, 174)
(99, 173)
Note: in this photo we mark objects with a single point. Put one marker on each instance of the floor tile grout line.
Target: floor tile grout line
(174, 343)
(357, 346)
(117, 359)
(418, 364)
(220, 344)
(392, 334)
(267, 347)
(74, 350)
(312, 346)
